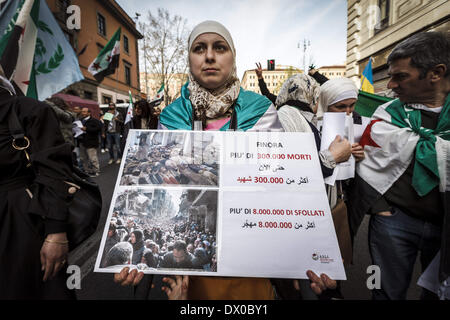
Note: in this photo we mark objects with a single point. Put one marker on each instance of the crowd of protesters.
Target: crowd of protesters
(105, 134)
(158, 243)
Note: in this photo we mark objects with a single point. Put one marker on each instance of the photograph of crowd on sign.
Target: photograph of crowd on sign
(171, 158)
(160, 229)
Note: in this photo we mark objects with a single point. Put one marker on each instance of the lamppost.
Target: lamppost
(306, 45)
(145, 51)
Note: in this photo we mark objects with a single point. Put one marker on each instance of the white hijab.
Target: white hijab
(211, 104)
(335, 90)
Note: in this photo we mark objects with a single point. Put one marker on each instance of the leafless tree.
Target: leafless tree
(164, 49)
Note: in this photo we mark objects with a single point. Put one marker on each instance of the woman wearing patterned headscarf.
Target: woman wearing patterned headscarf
(213, 92)
(296, 101)
(212, 95)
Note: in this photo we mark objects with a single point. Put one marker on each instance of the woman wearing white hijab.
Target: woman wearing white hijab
(213, 93)
(340, 95)
(213, 96)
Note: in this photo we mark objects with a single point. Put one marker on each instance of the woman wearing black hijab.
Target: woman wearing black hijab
(137, 241)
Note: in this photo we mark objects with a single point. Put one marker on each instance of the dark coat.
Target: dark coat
(33, 201)
(169, 262)
(93, 129)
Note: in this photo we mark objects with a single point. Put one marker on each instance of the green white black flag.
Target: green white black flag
(159, 96)
(108, 59)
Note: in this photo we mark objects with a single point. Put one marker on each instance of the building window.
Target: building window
(106, 99)
(126, 45)
(384, 15)
(62, 6)
(88, 95)
(101, 24)
(127, 75)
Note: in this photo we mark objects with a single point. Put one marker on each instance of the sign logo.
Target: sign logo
(322, 258)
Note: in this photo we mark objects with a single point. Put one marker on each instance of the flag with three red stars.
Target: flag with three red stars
(130, 109)
(107, 60)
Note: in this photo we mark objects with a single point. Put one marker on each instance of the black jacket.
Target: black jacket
(93, 129)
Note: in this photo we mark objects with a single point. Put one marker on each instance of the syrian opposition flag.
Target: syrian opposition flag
(128, 124)
(18, 43)
(33, 50)
(130, 110)
(107, 60)
(159, 97)
(393, 140)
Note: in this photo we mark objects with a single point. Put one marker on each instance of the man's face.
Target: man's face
(112, 109)
(406, 84)
(179, 255)
(84, 112)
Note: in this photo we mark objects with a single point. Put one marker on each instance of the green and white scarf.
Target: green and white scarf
(426, 173)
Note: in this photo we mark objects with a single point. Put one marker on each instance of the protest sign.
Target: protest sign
(338, 123)
(76, 128)
(108, 116)
(252, 204)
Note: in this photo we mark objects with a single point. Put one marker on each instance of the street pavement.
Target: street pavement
(100, 286)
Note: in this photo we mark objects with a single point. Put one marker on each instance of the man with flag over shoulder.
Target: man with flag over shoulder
(404, 181)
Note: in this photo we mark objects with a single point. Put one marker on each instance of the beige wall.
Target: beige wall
(274, 79)
(154, 83)
(332, 72)
(406, 17)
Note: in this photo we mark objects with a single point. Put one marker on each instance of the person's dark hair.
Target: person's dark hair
(112, 227)
(150, 259)
(139, 239)
(60, 103)
(180, 245)
(120, 253)
(426, 50)
(145, 108)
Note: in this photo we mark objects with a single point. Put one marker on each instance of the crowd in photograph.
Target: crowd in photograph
(158, 244)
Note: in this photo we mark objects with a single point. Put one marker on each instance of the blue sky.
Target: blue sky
(266, 29)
